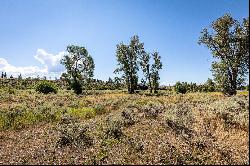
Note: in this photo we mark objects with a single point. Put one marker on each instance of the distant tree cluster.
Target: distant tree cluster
(111, 84)
(184, 87)
(3, 75)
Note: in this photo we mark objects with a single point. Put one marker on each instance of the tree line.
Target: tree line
(226, 38)
(80, 66)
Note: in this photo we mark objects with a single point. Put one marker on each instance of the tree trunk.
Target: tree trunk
(131, 83)
(149, 79)
(234, 82)
(155, 83)
(232, 74)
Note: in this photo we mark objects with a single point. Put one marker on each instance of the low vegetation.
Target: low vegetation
(116, 127)
(46, 87)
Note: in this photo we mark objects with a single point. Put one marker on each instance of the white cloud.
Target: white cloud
(13, 70)
(52, 62)
(51, 66)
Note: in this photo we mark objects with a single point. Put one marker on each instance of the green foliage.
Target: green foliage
(46, 87)
(157, 65)
(209, 86)
(229, 44)
(76, 86)
(180, 87)
(79, 65)
(82, 112)
(145, 66)
(184, 87)
(151, 72)
(127, 56)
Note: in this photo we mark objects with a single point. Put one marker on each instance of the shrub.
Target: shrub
(152, 110)
(77, 87)
(180, 87)
(114, 128)
(84, 112)
(46, 87)
(11, 91)
(129, 117)
(74, 134)
(180, 119)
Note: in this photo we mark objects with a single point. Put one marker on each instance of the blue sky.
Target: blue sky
(34, 33)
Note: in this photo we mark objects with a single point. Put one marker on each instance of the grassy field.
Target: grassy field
(112, 127)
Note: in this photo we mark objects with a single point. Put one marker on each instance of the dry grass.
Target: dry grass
(117, 128)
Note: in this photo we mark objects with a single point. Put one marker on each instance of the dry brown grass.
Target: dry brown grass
(195, 128)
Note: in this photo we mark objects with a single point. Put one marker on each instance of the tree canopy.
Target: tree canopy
(79, 65)
(228, 40)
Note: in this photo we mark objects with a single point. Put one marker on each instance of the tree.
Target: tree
(210, 85)
(229, 44)
(20, 77)
(157, 65)
(151, 72)
(180, 87)
(79, 65)
(117, 82)
(127, 56)
(145, 65)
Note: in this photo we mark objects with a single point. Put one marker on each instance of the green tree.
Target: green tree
(117, 82)
(79, 65)
(151, 72)
(180, 87)
(127, 56)
(156, 66)
(210, 85)
(145, 66)
(228, 41)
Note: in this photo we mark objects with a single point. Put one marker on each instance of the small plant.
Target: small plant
(135, 144)
(152, 110)
(11, 91)
(129, 117)
(74, 134)
(114, 128)
(46, 87)
(180, 119)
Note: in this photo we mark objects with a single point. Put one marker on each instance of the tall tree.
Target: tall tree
(156, 66)
(228, 41)
(79, 65)
(145, 65)
(127, 56)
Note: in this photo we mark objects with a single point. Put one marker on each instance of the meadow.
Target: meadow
(114, 127)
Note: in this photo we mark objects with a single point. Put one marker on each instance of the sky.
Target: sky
(34, 34)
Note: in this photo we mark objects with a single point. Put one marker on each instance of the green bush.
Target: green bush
(180, 87)
(46, 87)
(77, 87)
